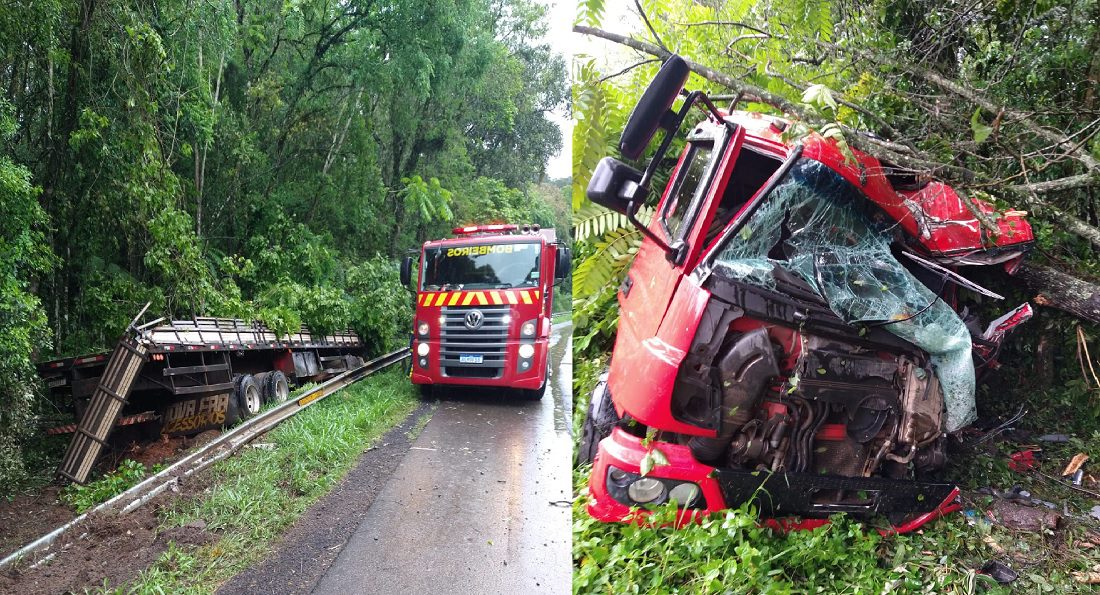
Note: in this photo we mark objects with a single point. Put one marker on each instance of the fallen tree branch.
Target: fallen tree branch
(1062, 291)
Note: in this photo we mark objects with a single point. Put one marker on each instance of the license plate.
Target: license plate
(471, 358)
(56, 383)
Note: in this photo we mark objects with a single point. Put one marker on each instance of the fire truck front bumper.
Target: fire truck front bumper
(619, 492)
(514, 371)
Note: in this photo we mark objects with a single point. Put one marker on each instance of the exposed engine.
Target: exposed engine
(821, 406)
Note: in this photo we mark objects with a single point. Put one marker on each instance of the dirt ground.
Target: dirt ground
(28, 516)
(106, 547)
(113, 549)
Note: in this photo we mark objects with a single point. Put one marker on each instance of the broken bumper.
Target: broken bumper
(911, 504)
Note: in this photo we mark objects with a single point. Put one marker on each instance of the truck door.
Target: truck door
(682, 215)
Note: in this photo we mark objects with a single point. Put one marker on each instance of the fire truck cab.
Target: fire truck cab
(484, 301)
(790, 332)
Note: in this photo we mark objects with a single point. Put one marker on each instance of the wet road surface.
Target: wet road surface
(480, 503)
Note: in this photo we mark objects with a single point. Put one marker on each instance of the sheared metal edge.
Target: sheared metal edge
(232, 440)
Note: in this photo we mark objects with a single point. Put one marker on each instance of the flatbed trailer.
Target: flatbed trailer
(183, 377)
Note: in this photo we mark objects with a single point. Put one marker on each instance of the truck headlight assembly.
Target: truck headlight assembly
(645, 490)
(632, 489)
(422, 349)
(528, 329)
(526, 350)
(422, 329)
(685, 494)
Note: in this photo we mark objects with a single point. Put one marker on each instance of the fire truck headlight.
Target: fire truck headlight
(422, 329)
(422, 349)
(526, 350)
(645, 490)
(528, 329)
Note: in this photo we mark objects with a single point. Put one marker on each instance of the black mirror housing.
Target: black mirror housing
(564, 263)
(406, 271)
(654, 109)
(614, 185)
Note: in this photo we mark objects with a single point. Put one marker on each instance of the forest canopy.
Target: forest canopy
(252, 159)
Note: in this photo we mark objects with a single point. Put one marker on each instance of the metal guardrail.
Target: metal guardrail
(220, 448)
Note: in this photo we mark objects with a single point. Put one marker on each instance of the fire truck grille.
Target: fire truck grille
(473, 352)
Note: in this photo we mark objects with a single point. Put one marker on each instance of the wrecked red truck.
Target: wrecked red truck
(788, 333)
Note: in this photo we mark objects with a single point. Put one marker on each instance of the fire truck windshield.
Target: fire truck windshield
(482, 266)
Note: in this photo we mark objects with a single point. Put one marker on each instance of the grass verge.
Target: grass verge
(258, 493)
(729, 553)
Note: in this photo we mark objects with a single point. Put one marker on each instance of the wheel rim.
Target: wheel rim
(252, 399)
(282, 391)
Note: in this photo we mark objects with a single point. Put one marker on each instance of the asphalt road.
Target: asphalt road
(480, 503)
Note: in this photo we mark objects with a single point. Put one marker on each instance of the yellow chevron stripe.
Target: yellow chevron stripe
(511, 297)
(481, 299)
(526, 295)
(454, 298)
(420, 299)
(496, 298)
(469, 298)
(439, 298)
(537, 294)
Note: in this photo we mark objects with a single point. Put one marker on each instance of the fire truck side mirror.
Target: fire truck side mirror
(406, 271)
(654, 109)
(563, 264)
(614, 185)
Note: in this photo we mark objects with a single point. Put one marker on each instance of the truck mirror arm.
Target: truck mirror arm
(676, 252)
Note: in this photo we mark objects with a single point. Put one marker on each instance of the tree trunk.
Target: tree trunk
(1064, 292)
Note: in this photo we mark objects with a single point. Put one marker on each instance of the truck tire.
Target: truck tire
(248, 395)
(276, 388)
(599, 420)
(427, 391)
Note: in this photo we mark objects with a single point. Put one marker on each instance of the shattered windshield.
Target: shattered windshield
(483, 266)
(816, 225)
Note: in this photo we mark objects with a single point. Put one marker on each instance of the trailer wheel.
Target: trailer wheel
(248, 395)
(276, 387)
(598, 422)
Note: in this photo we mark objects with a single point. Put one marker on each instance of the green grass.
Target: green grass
(83, 497)
(730, 553)
(561, 316)
(258, 493)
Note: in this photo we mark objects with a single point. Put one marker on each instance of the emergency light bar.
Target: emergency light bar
(495, 228)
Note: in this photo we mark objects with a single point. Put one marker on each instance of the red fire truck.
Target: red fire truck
(791, 333)
(483, 305)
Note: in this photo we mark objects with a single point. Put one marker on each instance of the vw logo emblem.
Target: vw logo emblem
(474, 318)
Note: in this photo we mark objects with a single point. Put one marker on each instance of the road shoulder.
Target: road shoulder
(309, 547)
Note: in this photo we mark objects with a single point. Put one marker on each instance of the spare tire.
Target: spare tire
(276, 387)
(248, 396)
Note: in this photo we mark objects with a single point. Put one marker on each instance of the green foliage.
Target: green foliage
(380, 310)
(84, 497)
(427, 200)
(24, 256)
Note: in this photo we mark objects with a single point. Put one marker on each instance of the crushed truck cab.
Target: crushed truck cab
(484, 301)
(791, 332)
